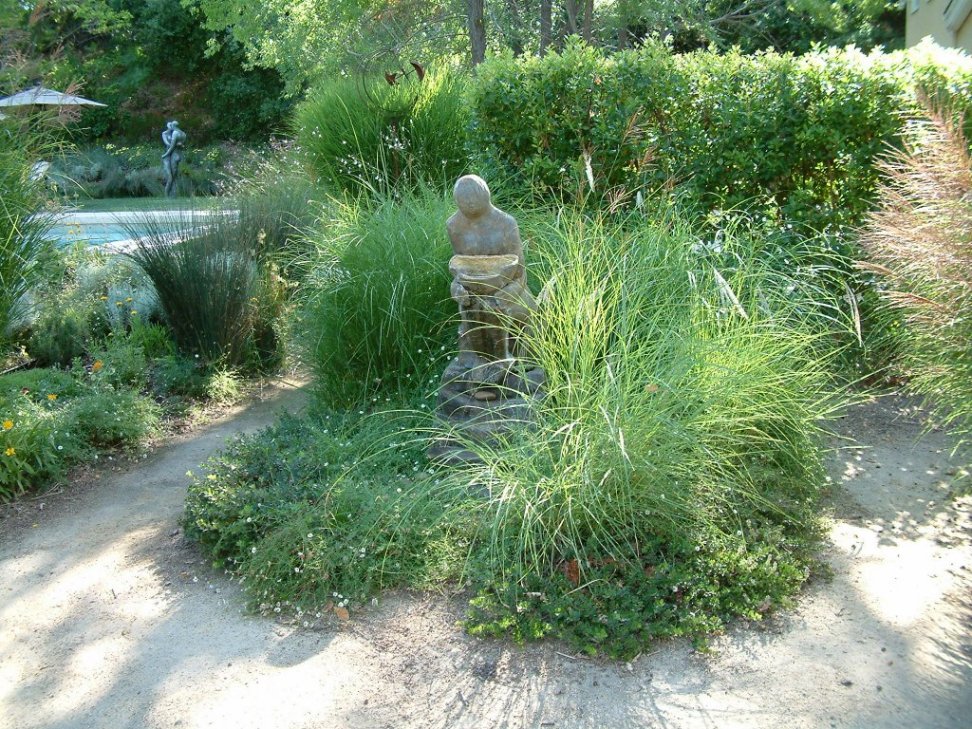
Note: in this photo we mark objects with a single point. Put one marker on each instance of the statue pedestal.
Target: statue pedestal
(486, 391)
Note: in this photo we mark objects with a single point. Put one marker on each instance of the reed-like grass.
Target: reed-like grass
(23, 227)
(919, 242)
(207, 280)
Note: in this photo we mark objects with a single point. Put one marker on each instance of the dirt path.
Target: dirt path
(108, 619)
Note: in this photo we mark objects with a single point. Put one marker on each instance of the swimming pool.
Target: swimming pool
(114, 231)
(95, 234)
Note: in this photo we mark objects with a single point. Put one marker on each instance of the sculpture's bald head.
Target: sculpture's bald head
(471, 195)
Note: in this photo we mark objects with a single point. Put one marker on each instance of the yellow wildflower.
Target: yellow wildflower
(98, 364)
(52, 397)
(10, 452)
(8, 424)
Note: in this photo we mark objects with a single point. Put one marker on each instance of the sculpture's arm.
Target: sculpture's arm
(514, 243)
(461, 294)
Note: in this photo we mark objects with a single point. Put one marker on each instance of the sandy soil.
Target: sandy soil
(108, 618)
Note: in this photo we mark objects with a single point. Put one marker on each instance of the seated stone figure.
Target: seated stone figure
(489, 281)
(488, 389)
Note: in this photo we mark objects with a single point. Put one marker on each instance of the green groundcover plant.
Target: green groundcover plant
(670, 480)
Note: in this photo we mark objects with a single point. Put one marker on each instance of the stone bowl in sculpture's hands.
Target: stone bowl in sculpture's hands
(485, 275)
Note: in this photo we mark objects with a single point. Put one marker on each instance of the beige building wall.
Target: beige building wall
(948, 22)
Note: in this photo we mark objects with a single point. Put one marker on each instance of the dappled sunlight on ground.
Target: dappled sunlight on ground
(899, 584)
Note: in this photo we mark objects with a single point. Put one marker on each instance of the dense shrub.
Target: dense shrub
(799, 133)
(375, 136)
(376, 308)
(920, 239)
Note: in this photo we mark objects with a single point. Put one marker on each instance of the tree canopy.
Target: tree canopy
(234, 66)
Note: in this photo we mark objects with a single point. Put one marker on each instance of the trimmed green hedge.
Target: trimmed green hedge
(798, 133)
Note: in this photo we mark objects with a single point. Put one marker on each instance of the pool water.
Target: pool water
(115, 231)
(95, 234)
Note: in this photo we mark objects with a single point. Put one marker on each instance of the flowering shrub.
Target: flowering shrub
(52, 419)
(35, 434)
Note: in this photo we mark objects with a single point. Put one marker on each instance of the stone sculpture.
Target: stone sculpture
(487, 389)
(174, 140)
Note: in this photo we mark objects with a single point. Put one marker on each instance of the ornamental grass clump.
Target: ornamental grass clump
(669, 481)
(376, 314)
(677, 447)
(919, 241)
(367, 135)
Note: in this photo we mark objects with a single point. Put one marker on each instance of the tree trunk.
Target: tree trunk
(516, 27)
(570, 6)
(622, 37)
(477, 31)
(546, 25)
(587, 33)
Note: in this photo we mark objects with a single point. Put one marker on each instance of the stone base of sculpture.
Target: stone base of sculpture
(482, 403)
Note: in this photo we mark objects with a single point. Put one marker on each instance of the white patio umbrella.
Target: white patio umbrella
(46, 97)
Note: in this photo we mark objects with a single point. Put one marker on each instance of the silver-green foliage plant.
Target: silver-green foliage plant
(920, 241)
